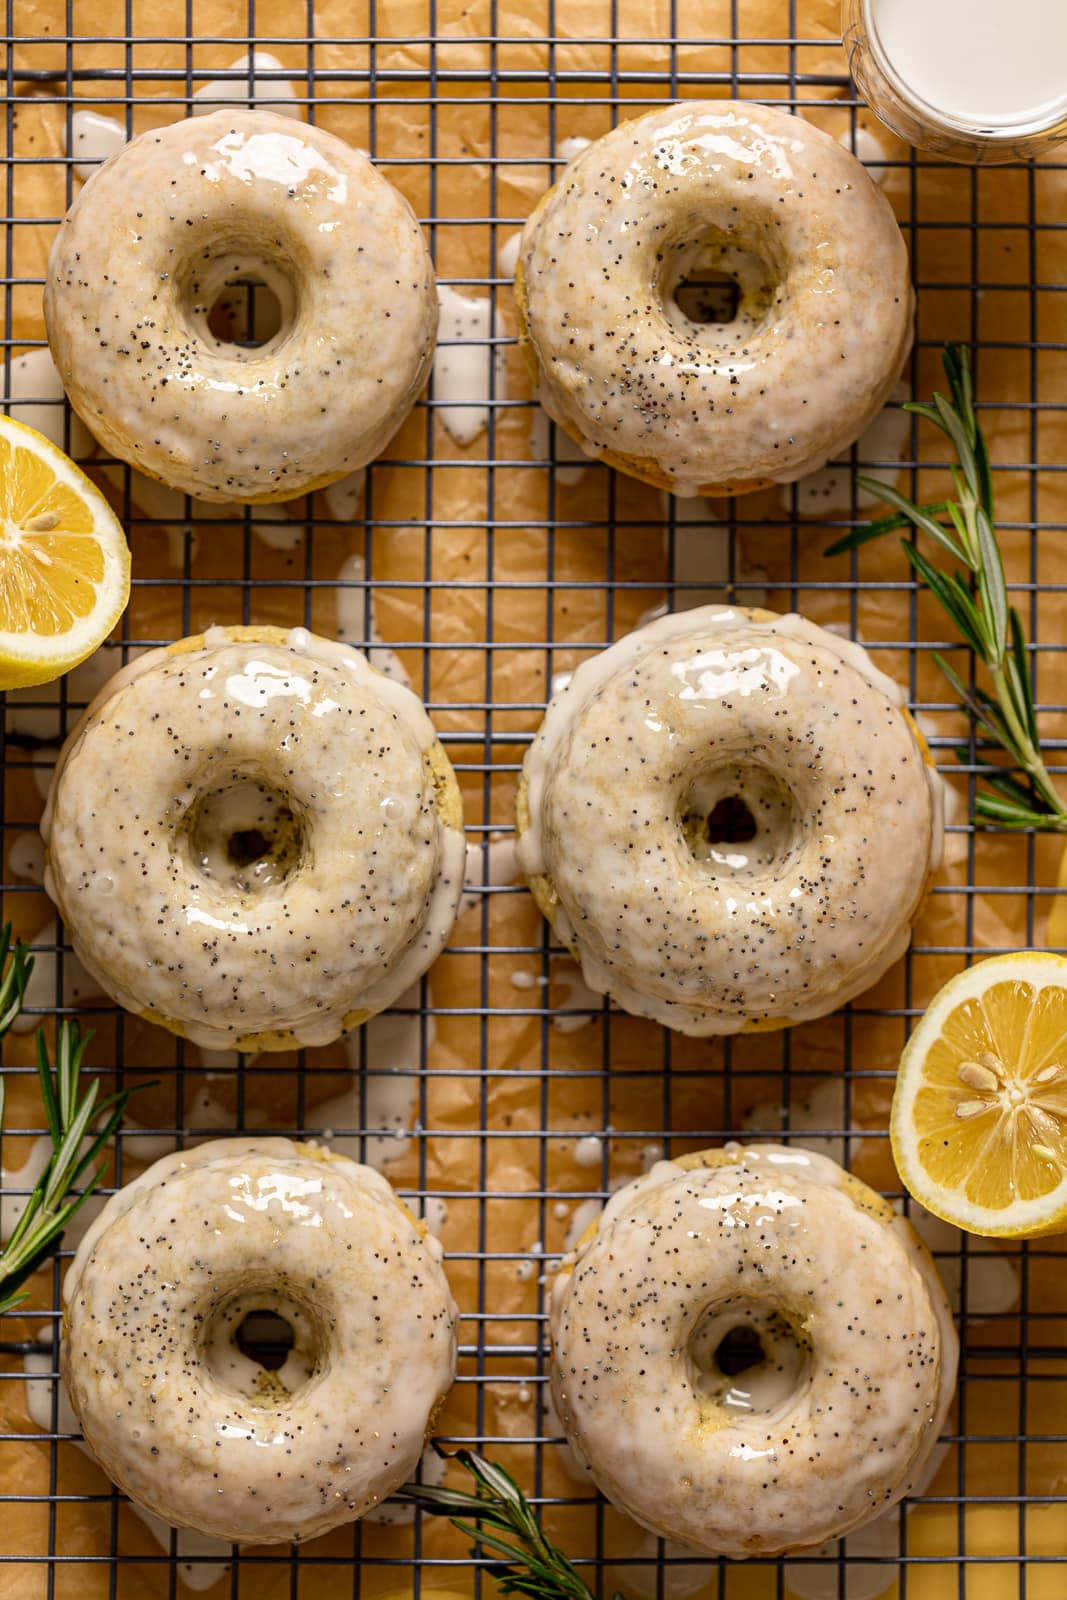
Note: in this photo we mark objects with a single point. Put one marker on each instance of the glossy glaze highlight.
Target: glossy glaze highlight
(161, 232)
(185, 1422)
(619, 791)
(255, 838)
(822, 325)
(836, 1420)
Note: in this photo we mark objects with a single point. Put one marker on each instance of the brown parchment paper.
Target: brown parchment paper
(468, 587)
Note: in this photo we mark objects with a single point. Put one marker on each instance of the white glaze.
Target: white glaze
(38, 713)
(588, 1151)
(527, 980)
(821, 332)
(992, 1278)
(25, 857)
(866, 147)
(571, 147)
(345, 496)
(715, 702)
(433, 1469)
(24, 1177)
(341, 914)
(201, 1562)
(371, 1118)
(812, 1108)
(434, 1212)
(93, 138)
(863, 1569)
(462, 363)
(38, 399)
(577, 1005)
(489, 864)
(130, 287)
(357, 621)
(175, 1260)
(829, 490)
(583, 1216)
(270, 93)
(508, 254)
(204, 1117)
(651, 1569)
(568, 460)
(527, 1270)
(757, 1231)
(275, 527)
(79, 985)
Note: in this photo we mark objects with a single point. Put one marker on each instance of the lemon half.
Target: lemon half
(979, 1122)
(64, 561)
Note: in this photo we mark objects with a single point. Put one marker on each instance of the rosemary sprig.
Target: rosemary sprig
(976, 601)
(530, 1564)
(72, 1113)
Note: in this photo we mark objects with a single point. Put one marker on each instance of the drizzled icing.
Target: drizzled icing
(150, 245)
(838, 1419)
(633, 755)
(255, 838)
(187, 1424)
(821, 330)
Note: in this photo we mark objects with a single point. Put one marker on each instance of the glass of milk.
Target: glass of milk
(973, 80)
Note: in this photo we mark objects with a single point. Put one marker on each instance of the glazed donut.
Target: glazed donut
(254, 839)
(699, 191)
(180, 1417)
(730, 819)
(841, 1306)
(147, 251)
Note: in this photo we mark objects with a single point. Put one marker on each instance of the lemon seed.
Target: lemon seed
(978, 1076)
(971, 1108)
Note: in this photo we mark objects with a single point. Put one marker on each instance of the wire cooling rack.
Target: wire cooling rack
(489, 570)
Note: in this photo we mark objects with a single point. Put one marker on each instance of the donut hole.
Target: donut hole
(739, 1349)
(730, 821)
(746, 1355)
(239, 300)
(263, 1343)
(247, 846)
(713, 283)
(739, 818)
(266, 1338)
(246, 312)
(245, 835)
(707, 295)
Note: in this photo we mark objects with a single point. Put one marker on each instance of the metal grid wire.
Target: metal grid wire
(996, 1521)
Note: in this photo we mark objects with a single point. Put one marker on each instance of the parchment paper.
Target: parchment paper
(542, 1086)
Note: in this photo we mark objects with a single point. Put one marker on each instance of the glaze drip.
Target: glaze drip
(849, 1354)
(255, 838)
(730, 820)
(681, 393)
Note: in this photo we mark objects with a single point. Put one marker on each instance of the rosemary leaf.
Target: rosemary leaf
(914, 514)
(875, 530)
(530, 1564)
(72, 1112)
(952, 425)
(1008, 813)
(979, 609)
(1020, 667)
(992, 585)
(954, 598)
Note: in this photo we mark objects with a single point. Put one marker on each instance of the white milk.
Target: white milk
(988, 62)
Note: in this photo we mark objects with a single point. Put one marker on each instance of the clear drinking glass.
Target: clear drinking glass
(881, 57)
